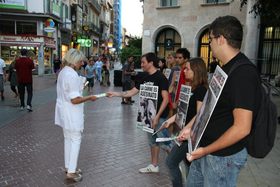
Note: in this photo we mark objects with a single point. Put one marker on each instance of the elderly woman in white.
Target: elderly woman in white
(69, 110)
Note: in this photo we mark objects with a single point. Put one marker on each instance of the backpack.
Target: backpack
(262, 136)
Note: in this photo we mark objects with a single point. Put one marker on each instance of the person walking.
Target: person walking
(127, 83)
(12, 77)
(69, 110)
(56, 66)
(2, 77)
(90, 74)
(149, 64)
(222, 152)
(24, 67)
(196, 77)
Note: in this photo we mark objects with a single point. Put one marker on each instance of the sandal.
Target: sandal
(73, 177)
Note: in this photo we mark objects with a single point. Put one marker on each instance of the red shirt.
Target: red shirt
(24, 67)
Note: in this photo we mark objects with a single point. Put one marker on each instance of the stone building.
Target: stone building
(171, 24)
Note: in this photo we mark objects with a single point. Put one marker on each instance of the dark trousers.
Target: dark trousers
(21, 91)
(176, 155)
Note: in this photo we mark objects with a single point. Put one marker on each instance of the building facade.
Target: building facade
(117, 26)
(48, 28)
(171, 24)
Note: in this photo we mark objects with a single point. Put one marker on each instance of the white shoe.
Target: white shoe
(149, 169)
(29, 108)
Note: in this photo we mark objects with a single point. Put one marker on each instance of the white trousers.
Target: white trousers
(72, 142)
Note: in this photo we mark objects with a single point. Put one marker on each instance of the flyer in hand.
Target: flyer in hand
(183, 105)
(209, 102)
(147, 108)
(101, 95)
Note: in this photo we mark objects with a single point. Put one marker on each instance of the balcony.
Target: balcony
(93, 28)
(95, 5)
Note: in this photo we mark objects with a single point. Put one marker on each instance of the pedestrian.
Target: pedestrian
(69, 110)
(12, 77)
(98, 65)
(56, 66)
(2, 77)
(90, 74)
(149, 64)
(127, 83)
(196, 77)
(222, 152)
(105, 76)
(24, 67)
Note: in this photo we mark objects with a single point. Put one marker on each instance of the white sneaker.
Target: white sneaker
(29, 108)
(149, 169)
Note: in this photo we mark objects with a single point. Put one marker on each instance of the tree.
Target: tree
(268, 10)
(134, 48)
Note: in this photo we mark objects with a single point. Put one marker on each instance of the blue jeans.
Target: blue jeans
(177, 154)
(216, 171)
(161, 134)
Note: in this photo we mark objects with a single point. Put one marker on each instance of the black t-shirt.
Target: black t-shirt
(156, 79)
(197, 95)
(56, 64)
(242, 90)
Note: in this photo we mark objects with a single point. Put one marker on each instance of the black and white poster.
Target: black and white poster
(209, 102)
(167, 72)
(182, 109)
(147, 107)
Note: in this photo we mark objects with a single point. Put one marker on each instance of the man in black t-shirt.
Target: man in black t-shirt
(222, 152)
(149, 64)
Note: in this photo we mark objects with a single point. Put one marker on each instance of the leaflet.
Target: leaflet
(101, 95)
(166, 139)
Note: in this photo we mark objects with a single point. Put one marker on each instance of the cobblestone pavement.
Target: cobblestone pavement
(112, 149)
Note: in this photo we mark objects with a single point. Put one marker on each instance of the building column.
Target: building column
(252, 28)
(41, 66)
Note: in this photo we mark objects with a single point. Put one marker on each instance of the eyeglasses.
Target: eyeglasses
(211, 38)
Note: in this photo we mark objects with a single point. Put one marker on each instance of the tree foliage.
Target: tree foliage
(134, 48)
(268, 10)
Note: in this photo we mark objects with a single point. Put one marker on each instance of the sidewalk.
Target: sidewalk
(112, 149)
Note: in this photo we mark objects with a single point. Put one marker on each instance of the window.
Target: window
(168, 3)
(26, 28)
(167, 40)
(215, 1)
(7, 27)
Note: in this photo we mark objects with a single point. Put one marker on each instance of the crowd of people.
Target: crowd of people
(222, 152)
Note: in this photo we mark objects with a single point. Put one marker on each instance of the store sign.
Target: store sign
(49, 25)
(13, 4)
(35, 41)
(84, 42)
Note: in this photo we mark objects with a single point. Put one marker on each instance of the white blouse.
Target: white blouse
(69, 86)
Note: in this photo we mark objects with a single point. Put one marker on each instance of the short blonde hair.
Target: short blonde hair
(72, 57)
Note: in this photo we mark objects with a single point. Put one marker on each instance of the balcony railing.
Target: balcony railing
(94, 28)
(96, 5)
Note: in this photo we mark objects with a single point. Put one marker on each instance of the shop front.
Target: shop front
(40, 49)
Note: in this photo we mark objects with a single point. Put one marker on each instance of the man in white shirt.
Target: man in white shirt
(2, 77)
